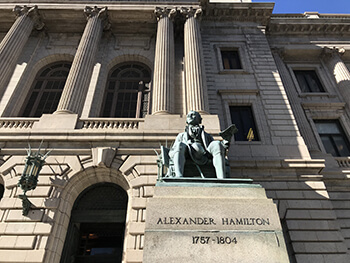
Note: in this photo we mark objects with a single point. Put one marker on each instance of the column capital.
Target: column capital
(100, 12)
(161, 12)
(191, 12)
(32, 12)
(333, 51)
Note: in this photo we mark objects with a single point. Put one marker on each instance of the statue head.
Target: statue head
(193, 118)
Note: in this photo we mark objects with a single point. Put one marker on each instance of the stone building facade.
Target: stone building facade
(105, 83)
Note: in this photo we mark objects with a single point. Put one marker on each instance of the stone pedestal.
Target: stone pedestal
(212, 221)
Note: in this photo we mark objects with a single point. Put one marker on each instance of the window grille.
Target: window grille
(127, 95)
(46, 90)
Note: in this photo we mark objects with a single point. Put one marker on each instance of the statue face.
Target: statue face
(193, 118)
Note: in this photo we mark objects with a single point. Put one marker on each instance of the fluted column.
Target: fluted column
(14, 41)
(163, 76)
(79, 77)
(196, 88)
(332, 57)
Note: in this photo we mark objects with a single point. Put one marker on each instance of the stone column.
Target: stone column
(15, 40)
(295, 102)
(332, 57)
(196, 88)
(79, 77)
(164, 68)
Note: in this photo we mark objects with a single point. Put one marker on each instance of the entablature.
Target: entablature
(68, 16)
(311, 23)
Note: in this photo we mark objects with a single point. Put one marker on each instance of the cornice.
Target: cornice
(309, 23)
(243, 12)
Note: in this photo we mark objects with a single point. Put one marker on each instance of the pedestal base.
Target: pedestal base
(224, 222)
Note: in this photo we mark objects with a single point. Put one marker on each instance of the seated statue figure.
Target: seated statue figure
(200, 147)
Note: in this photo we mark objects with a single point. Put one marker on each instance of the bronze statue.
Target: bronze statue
(199, 146)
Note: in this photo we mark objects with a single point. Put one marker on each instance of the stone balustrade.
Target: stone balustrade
(343, 162)
(17, 123)
(90, 123)
(111, 123)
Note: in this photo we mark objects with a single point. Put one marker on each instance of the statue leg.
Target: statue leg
(178, 155)
(217, 150)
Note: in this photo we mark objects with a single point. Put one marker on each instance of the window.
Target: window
(333, 137)
(308, 81)
(242, 117)
(46, 90)
(97, 226)
(230, 59)
(126, 93)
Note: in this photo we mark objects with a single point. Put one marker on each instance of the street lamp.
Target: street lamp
(29, 178)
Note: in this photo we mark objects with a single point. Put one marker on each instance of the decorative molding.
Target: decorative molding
(138, 41)
(242, 49)
(331, 106)
(288, 25)
(319, 110)
(238, 91)
(226, 12)
(62, 40)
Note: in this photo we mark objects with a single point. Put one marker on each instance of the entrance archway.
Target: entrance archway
(97, 225)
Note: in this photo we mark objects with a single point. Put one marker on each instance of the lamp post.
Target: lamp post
(29, 178)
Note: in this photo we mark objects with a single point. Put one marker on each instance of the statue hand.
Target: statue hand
(226, 144)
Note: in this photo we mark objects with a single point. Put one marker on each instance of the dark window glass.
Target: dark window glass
(242, 117)
(333, 137)
(46, 90)
(230, 59)
(2, 190)
(126, 94)
(308, 81)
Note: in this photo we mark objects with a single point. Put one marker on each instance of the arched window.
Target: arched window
(46, 90)
(97, 225)
(126, 94)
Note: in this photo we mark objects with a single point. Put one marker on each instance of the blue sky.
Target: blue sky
(301, 6)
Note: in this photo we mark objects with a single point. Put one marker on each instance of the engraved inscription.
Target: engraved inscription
(245, 221)
(220, 240)
(186, 221)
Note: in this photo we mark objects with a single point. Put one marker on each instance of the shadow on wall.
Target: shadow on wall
(312, 225)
